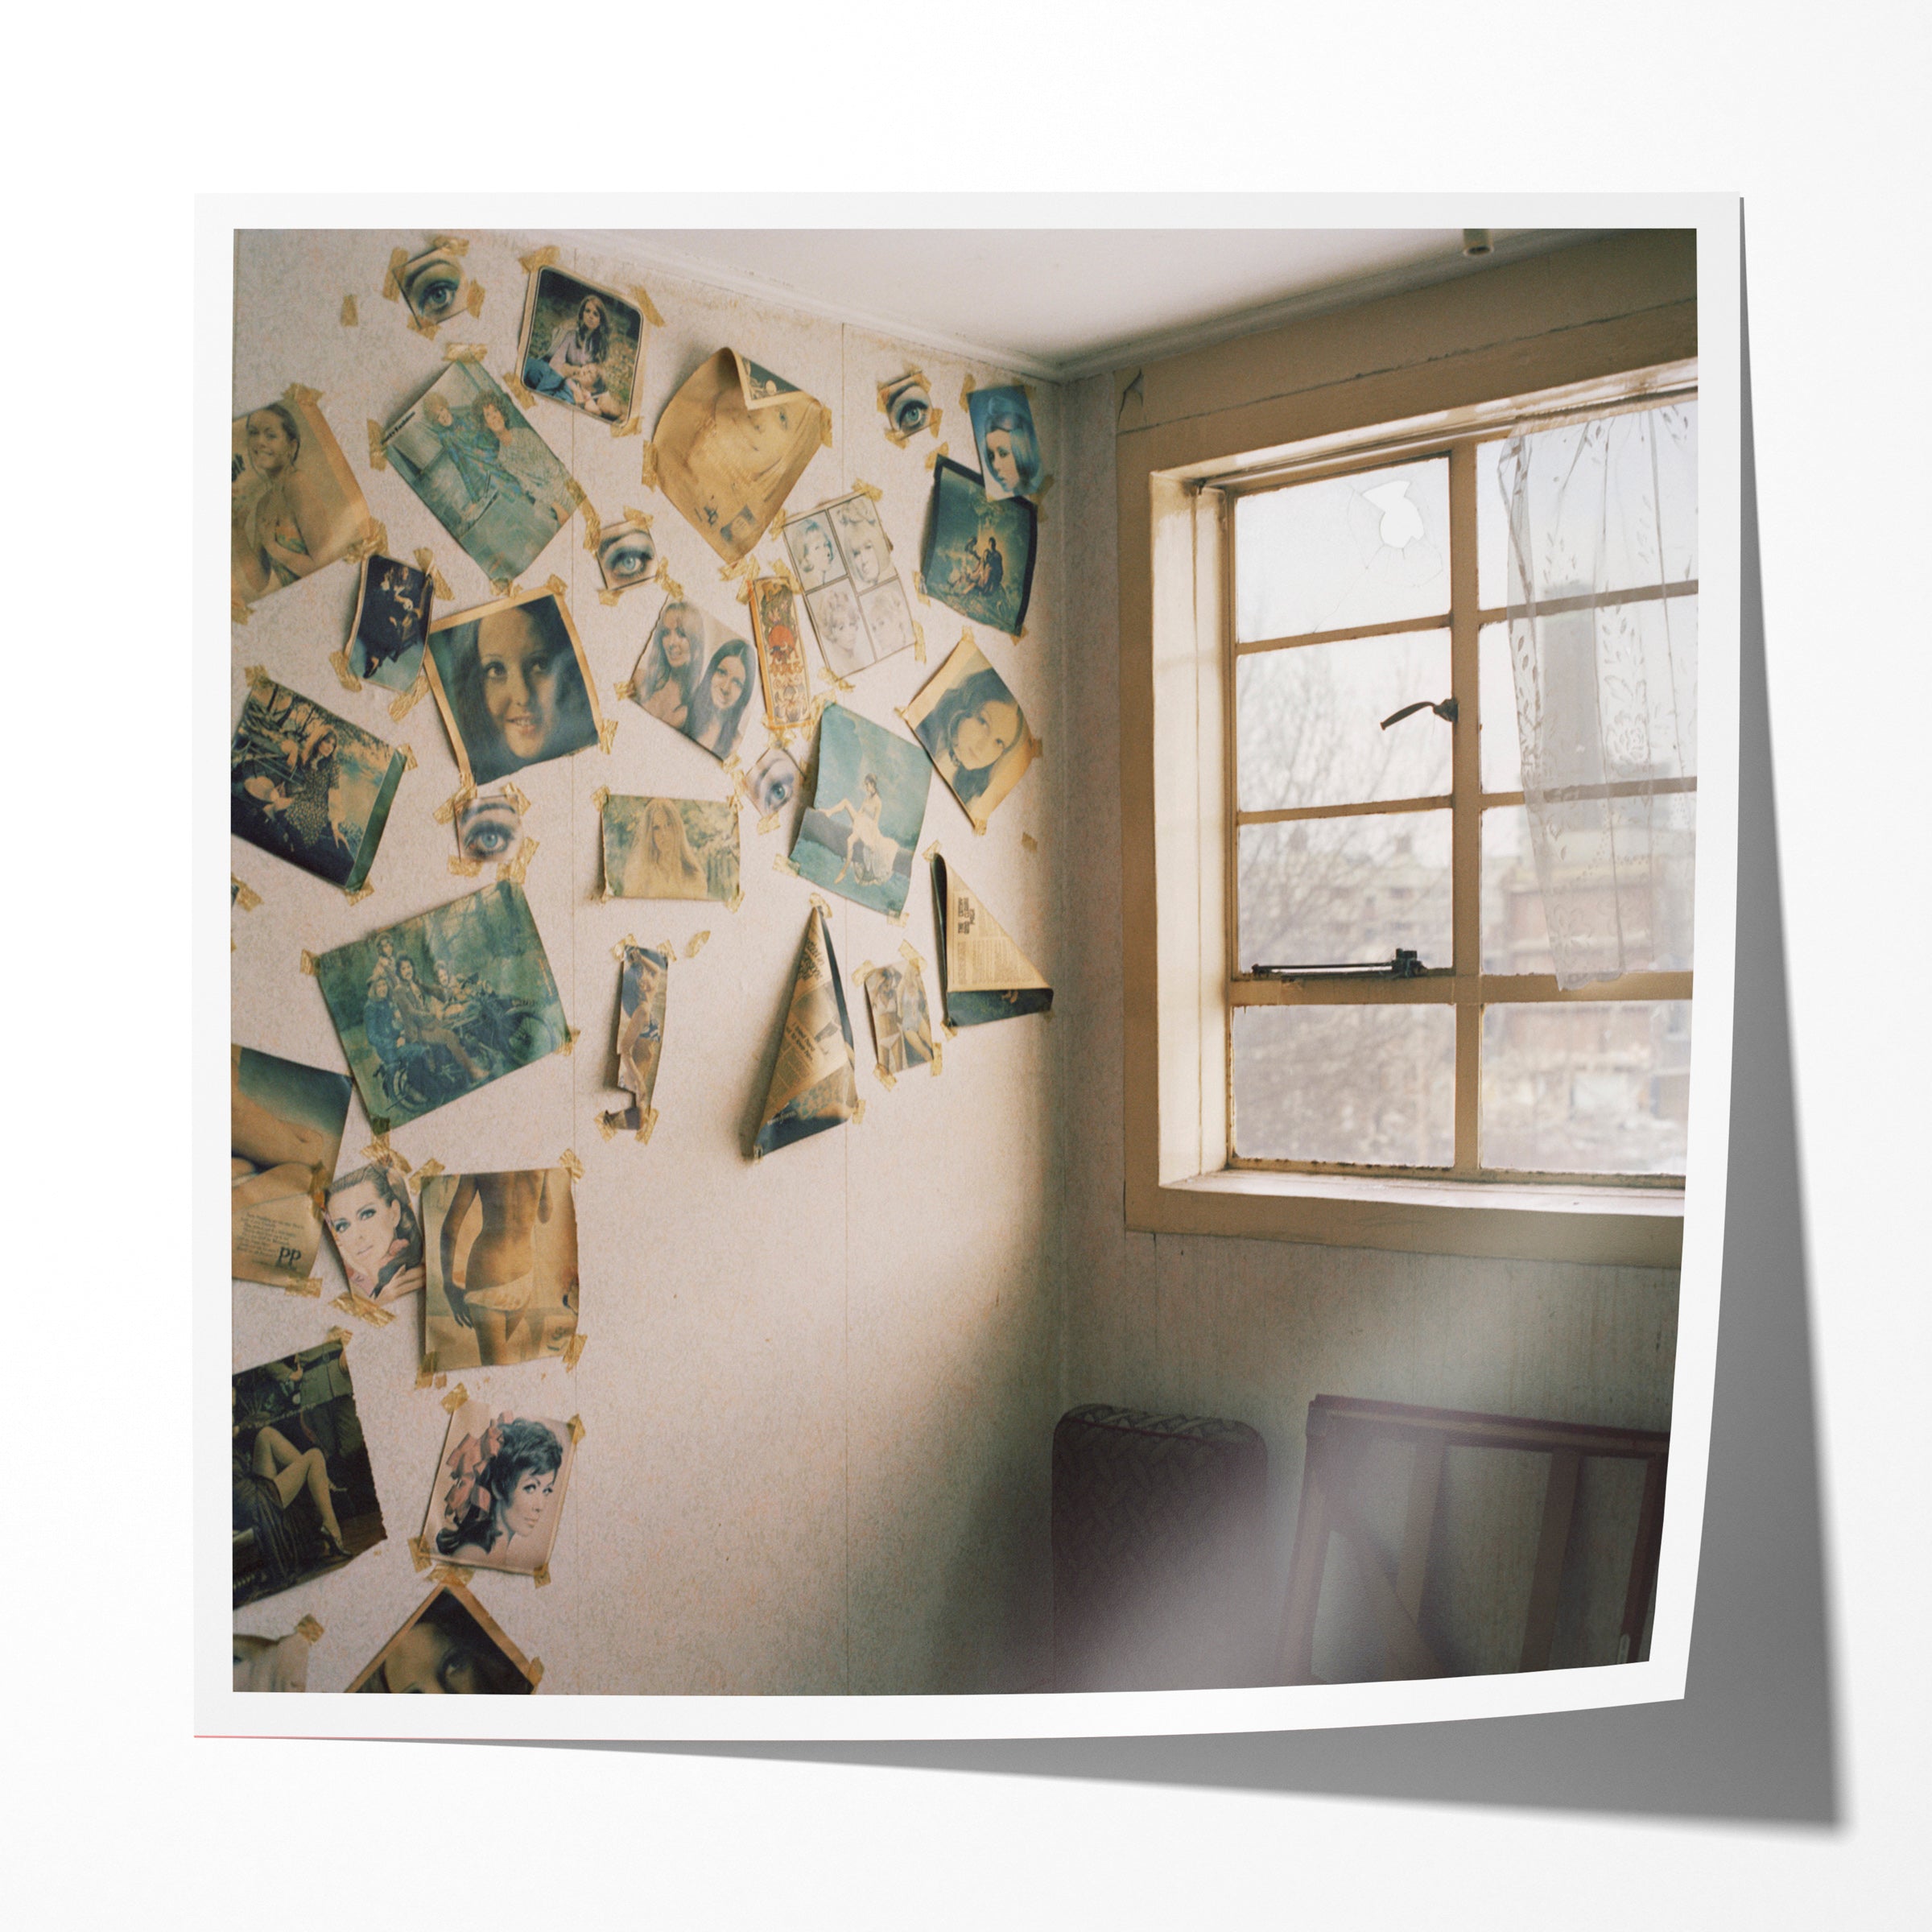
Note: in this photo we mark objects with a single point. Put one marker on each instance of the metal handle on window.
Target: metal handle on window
(1447, 710)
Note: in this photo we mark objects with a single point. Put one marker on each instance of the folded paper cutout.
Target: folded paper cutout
(814, 1085)
(983, 976)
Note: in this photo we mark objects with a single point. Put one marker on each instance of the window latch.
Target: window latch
(1447, 710)
(1405, 965)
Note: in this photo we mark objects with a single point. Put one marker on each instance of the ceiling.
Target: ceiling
(1059, 303)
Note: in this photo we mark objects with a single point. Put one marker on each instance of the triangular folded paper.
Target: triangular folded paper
(983, 976)
(815, 1084)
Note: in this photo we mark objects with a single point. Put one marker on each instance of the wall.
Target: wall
(818, 1389)
(1253, 1330)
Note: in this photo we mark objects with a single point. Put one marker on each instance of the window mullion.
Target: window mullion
(1466, 863)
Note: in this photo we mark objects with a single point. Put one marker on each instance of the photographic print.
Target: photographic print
(979, 551)
(582, 345)
(391, 621)
(271, 1663)
(294, 506)
(1008, 442)
(670, 849)
(772, 782)
(697, 677)
(513, 684)
(489, 825)
(627, 555)
(782, 669)
(906, 401)
(304, 1496)
(983, 976)
(450, 1646)
(378, 1239)
(643, 985)
(499, 1489)
(466, 449)
(502, 1267)
(435, 1006)
(857, 837)
(973, 728)
(435, 287)
(843, 561)
(901, 1028)
(729, 464)
(308, 786)
(285, 1131)
(813, 1085)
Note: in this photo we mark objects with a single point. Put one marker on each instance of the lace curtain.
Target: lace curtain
(1602, 525)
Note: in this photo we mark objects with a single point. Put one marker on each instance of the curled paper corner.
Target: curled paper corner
(606, 730)
(698, 940)
(308, 963)
(455, 1400)
(571, 1164)
(363, 1309)
(1028, 842)
(404, 702)
(514, 792)
(573, 1350)
(360, 893)
(540, 1576)
(644, 302)
(517, 869)
(860, 488)
(577, 1428)
(571, 1035)
(465, 869)
(600, 798)
(464, 351)
(378, 456)
(244, 896)
(418, 1553)
(426, 1371)
(858, 1114)
(935, 456)
(537, 258)
(450, 1573)
(392, 284)
(885, 1080)
(310, 1629)
(350, 316)
(515, 384)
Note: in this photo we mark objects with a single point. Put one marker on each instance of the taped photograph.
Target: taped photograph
(285, 1131)
(582, 345)
(773, 781)
(466, 449)
(643, 988)
(697, 677)
(728, 465)
(305, 1495)
(501, 1255)
(488, 826)
(906, 401)
(392, 623)
(1008, 442)
(378, 1239)
(979, 551)
(271, 1663)
(627, 555)
(435, 1006)
(974, 730)
(857, 837)
(813, 1086)
(308, 786)
(499, 1490)
(450, 1646)
(901, 1028)
(781, 668)
(435, 287)
(843, 561)
(294, 505)
(670, 849)
(513, 684)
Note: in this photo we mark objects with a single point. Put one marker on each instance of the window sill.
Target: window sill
(1629, 1227)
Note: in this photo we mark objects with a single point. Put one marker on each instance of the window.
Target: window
(1268, 821)
(1361, 590)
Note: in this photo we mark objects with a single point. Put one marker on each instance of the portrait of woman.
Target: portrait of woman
(517, 1299)
(375, 1233)
(661, 863)
(973, 728)
(510, 683)
(718, 705)
(841, 628)
(1009, 449)
(269, 550)
(813, 553)
(870, 853)
(501, 1489)
(673, 660)
(450, 1647)
(580, 345)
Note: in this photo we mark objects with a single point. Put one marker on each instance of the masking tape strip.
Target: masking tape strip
(350, 316)
(426, 330)
(607, 731)
(908, 951)
(309, 1628)
(363, 1309)
(540, 1576)
(698, 940)
(308, 964)
(374, 538)
(737, 899)
(404, 702)
(472, 298)
(516, 869)
(931, 849)
(781, 864)
(380, 1153)
(821, 904)
(426, 562)
(631, 426)
(576, 1427)
(514, 794)
(647, 469)
(649, 307)
(535, 1672)
(918, 587)
(450, 1573)
(624, 688)
(449, 245)
(573, 1349)
(409, 757)
(378, 456)
(340, 1337)
(300, 392)
(770, 821)
(514, 383)
(918, 641)
(465, 868)
(886, 1078)
(933, 457)
(965, 390)
(464, 351)
(238, 613)
(454, 804)
(672, 587)
(360, 893)
(425, 1370)
(600, 798)
(418, 1553)
(862, 488)
(392, 282)
(455, 1400)
(571, 1164)
(554, 584)
(538, 258)
(244, 895)
(858, 1114)
(254, 674)
(427, 1171)
(571, 1035)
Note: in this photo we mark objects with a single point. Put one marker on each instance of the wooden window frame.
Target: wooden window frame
(1611, 322)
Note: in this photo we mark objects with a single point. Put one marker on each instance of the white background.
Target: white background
(122, 1813)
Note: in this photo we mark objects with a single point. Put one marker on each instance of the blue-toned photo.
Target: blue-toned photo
(857, 837)
(582, 345)
(486, 476)
(1008, 442)
(978, 550)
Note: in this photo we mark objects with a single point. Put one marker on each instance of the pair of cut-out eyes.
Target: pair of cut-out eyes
(433, 286)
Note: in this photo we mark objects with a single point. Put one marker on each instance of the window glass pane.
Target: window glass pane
(1308, 723)
(1371, 548)
(1367, 1083)
(1502, 748)
(1515, 937)
(1587, 1086)
(1491, 528)
(1323, 891)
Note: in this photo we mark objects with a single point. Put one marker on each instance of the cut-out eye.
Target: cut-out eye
(907, 408)
(432, 285)
(487, 828)
(625, 557)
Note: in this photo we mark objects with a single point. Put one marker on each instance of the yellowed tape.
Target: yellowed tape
(918, 587)
(464, 351)
(571, 1164)
(631, 426)
(349, 317)
(363, 1309)
(514, 794)
(607, 1125)
(858, 1113)
(573, 1349)
(965, 390)
(244, 895)
(425, 1370)
(404, 702)
(472, 298)
(450, 1573)
(418, 1553)
(554, 584)
(781, 864)
(465, 868)
(340, 1337)
(409, 757)
(886, 1078)
(607, 731)
(238, 613)
(820, 902)
(381, 1154)
(643, 298)
(861, 488)
(647, 468)
(505, 587)
(933, 457)
(825, 428)
(378, 456)
(540, 1576)
(427, 1171)
(571, 1035)
(600, 798)
(672, 587)
(308, 963)
(300, 392)
(698, 942)
(426, 329)
(624, 688)
(310, 1629)
(538, 258)
(535, 1672)
(517, 869)
(918, 641)
(360, 893)
(392, 283)
(455, 1400)
(515, 384)
(446, 812)
(254, 674)
(449, 245)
